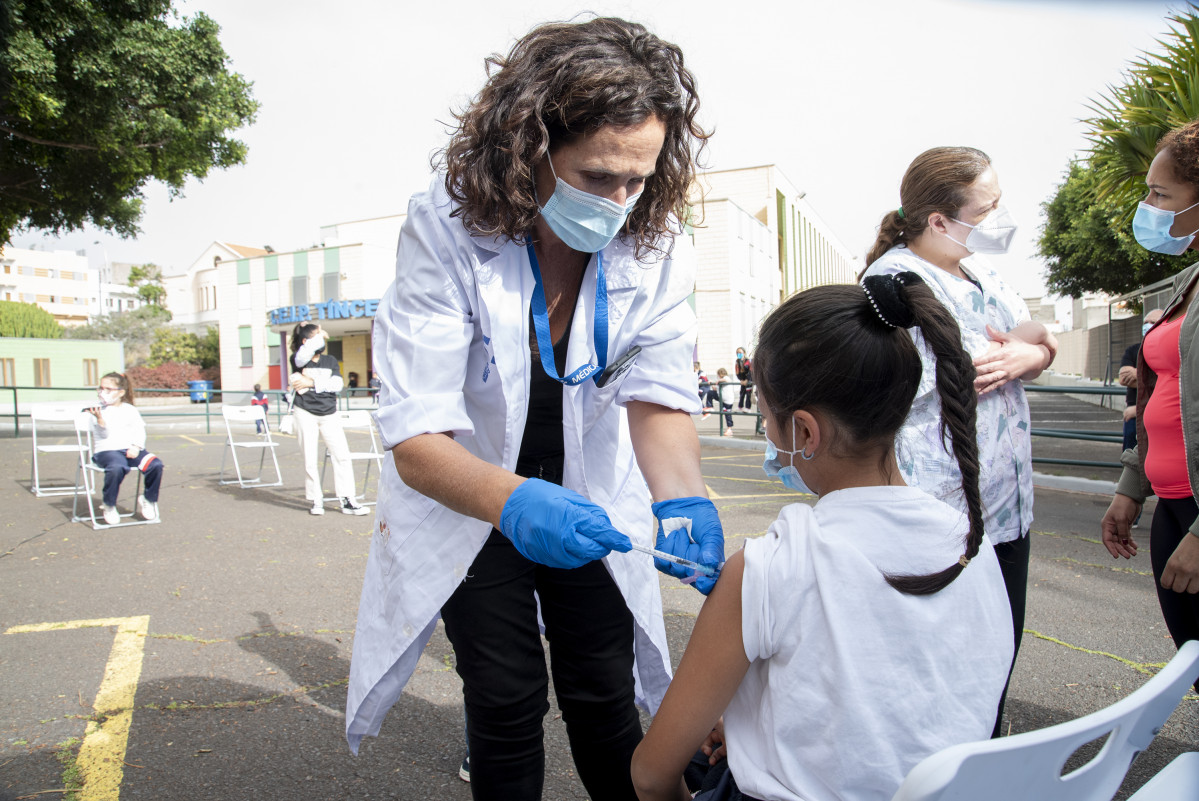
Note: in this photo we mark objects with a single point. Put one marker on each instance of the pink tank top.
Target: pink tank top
(1165, 458)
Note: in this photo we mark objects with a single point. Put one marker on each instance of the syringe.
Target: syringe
(678, 560)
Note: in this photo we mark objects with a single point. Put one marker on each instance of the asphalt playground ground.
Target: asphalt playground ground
(206, 657)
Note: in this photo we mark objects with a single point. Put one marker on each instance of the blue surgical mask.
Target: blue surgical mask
(788, 475)
(1151, 227)
(1145, 329)
(583, 221)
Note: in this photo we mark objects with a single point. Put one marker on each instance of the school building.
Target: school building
(758, 241)
(255, 296)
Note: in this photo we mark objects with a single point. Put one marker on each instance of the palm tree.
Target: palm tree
(1161, 93)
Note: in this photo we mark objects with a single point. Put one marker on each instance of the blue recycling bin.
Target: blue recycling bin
(200, 390)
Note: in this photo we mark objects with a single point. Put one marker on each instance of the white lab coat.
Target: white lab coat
(451, 348)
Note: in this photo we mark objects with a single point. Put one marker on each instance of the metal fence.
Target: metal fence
(359, 397)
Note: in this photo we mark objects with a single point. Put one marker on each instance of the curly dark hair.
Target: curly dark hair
(1183, 144)
(935, 182)
(562, 81)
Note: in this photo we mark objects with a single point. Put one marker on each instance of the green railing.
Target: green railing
(208, 397)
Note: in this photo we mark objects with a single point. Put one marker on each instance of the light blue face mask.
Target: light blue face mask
(788, 475)
(1145, 329)
(1151, 227)
(583, 221)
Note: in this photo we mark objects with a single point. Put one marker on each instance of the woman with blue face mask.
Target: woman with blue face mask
(534, 355)
(1163, 463)
(951, 213)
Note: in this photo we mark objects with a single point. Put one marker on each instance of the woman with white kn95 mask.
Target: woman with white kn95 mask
(535, 360)
(949, 215)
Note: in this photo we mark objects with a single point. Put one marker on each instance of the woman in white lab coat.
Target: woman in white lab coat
(535, 358)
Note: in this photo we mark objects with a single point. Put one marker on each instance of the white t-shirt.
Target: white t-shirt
(123, 429)
(851, 683)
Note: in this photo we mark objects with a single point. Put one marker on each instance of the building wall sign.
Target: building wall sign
(329, 310)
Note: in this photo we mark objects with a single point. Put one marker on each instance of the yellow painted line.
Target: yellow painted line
(190, 439)
(101, 757)
(711, 493)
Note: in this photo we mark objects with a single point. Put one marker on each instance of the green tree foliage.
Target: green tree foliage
(1087, 237)
(96, 99)
(137, 329)
(27, 320)
(147, 278)
(174, 345)
(1088, 244)
(1160, 93)
(210, 348)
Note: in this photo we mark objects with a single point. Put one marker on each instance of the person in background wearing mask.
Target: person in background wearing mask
(745, 375)
(316, 382)
(950, 213)
(1163, 463)
(259, 398)
(535, 354)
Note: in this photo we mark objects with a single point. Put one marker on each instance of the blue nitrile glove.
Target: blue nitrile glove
(554, 526)
(704, 543)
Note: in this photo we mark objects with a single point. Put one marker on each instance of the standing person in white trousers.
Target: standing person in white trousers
(315, 384)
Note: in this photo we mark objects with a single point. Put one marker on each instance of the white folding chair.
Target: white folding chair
(1029, 765)
(86, 475)
(53, 413)
(355, 420)
(242, 415)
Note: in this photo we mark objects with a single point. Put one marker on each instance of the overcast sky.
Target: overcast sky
(840, 95)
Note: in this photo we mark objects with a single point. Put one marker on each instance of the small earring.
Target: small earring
(804, 455)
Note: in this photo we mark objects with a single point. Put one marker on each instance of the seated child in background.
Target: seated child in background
(119, 437)
(863, 634)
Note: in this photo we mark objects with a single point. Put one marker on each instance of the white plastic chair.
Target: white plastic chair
(86, 475)
(1029, 765)
(1176, 781)
(237, 415)
(53, 413)
(358, 420)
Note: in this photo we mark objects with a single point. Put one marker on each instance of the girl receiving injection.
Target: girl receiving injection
(867, 632)
(119, 435)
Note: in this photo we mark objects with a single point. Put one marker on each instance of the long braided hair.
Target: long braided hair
(844, 350)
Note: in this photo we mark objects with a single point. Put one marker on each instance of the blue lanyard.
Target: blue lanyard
(541, 324)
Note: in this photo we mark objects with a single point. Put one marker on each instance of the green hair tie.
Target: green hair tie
(900, 212)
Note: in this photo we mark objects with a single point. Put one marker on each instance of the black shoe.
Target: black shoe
(350, 507)
(464, 769)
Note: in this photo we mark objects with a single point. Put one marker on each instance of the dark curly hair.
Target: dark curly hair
(935, 182)
(1183, 144)
(562, 81)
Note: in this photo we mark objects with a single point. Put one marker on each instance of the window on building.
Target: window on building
(41, 272)
(8, 269)
(272, 294)
(244, 297)
(299, 290)
(8, 373)
(272, 355)
(91, 372)
(245, 338)
(41, 372)
(331, 286)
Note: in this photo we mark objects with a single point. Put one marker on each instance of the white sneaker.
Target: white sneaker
(318, 508)
(350, 507)
(111, 516)
(728, 432)
(148, 509)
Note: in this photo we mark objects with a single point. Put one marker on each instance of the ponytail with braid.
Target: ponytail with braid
(854, 338)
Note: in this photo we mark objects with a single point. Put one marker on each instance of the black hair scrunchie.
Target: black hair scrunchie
(882, 291)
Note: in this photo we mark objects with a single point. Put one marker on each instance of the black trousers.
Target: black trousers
(491, 619)
(1013, 564)
(1171, 520)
